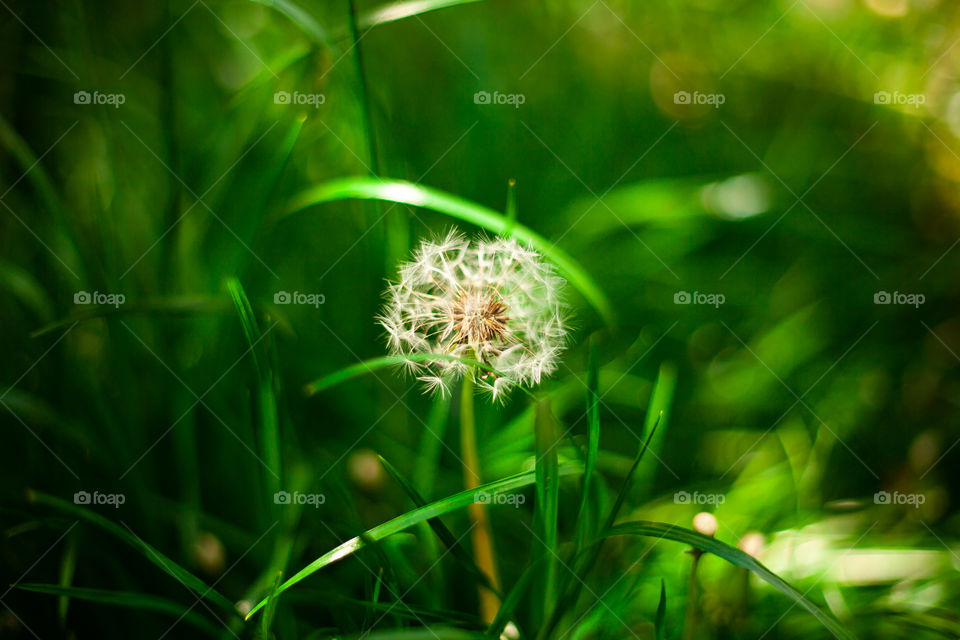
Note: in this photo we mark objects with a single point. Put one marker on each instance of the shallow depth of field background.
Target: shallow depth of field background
(811, 176)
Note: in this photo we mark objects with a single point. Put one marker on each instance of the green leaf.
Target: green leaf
(166, 564)
(661, 530)
(127, 599)
(419, 196)
(411, 518)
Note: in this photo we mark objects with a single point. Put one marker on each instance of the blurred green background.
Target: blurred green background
(792, 166)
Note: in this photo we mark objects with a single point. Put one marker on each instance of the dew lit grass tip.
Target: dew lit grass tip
(490, 300)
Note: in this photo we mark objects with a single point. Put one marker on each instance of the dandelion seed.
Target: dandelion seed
(490, 300)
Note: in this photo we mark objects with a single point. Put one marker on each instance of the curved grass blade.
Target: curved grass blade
(416, 195)
(369, 366)
(299, 17)
(661, 530)
(407, 520)
(169, 567)
(126, 599)
(400, 10)
(446, 536)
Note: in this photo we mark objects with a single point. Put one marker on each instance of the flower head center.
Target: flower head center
(479, 317)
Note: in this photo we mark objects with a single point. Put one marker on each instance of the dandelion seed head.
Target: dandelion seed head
(492, 300)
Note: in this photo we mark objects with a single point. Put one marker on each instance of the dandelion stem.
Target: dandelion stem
(481, 534)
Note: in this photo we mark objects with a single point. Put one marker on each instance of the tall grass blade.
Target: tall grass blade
(266, 387)
(548, 497)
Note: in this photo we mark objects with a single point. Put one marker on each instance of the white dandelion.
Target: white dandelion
(490, 300)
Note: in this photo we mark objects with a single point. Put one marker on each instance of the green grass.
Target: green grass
(206, 400)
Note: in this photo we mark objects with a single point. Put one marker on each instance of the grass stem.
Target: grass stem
(481, 534)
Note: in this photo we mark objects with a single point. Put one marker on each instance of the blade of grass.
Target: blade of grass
(375, 364)
(400, 10)
(411, 518)
(191, 304)
(126, 599)
(269, 419)
(513, 598)
(585, 521)
(446, 536)
(569, 589)
(662, 530)
(168, 566)
(658, 623)
(658, 411)
(547, 506)
(68, 567)
(299, 17)
(416, 195)
(267, 620)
